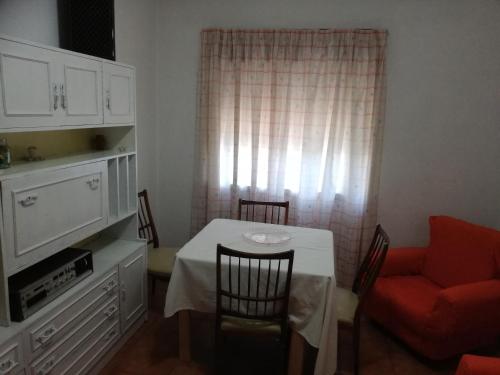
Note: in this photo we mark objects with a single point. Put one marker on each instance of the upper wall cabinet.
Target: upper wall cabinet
(118, 94)
(29, 86)
(44, 87)
(80, 90)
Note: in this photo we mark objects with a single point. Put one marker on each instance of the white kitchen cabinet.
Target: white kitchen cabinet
(133, 283)
(80, 90)
(65, 201)
(119, 99)
(29, 92)
(11, 356)
(46, 212)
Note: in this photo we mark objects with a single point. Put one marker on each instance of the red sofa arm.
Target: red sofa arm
(476, 365)
(468, 308)
(404, 261)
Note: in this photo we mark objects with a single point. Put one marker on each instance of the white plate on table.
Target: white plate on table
(267, 236)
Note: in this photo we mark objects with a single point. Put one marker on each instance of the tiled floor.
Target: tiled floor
(153, 351)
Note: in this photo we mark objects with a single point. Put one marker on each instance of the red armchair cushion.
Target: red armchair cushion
(409, 299)
(476, 365)
(460, 252)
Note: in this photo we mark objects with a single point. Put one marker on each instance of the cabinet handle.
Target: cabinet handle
(29, 200)
(46, 335)
(109, 336)
(47, 366)
(56, 97)
(7, 366)
(63, 97)
(111, 311)
(109, 286)
(94, 183)
(108, 100)
(124, 292)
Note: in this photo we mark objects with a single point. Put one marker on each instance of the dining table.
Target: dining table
(312, 310)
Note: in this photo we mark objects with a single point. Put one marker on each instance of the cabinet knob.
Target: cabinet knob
(7, 366)
(110, 311)
(46, 335)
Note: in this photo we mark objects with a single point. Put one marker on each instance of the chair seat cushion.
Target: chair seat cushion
(231, 324)
(161, 260)
(347, 303)
(407, 299)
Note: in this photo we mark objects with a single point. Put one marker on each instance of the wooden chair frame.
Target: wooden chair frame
(147, 230)
(365, 278)
(274, 219)
(276, 315)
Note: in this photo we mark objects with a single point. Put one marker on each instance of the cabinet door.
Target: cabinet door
(80, 90)
(133, 280)
(119, 94)
(28, 88)
(46, 212)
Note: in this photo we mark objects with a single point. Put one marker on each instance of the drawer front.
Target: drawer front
(67, 351)
(86, 360)
(44, 213)
(44, 334)
(11, 357)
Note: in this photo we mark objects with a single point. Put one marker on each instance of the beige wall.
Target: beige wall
(135, 45)
(442, 136)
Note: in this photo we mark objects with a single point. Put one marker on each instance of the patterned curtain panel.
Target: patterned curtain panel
(293, 115)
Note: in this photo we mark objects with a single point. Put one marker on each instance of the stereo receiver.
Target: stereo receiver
(36, 286)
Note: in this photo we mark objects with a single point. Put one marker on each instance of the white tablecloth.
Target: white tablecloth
(312, 302)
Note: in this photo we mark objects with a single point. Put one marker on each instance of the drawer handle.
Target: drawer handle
(109, 287)
(47, 366)
(29, 200)
(7, 366)
(109, 336)
(111, 311)
(46, 335)
(94, 183)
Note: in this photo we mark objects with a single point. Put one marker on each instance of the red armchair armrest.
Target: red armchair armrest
(468, 308)
(404, 261)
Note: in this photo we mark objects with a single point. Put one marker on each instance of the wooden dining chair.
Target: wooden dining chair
(267, 212)
(160, 259)
(350, 302)
(252, 297)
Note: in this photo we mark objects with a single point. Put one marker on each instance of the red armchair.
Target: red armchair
(476, 365)
(444, 299)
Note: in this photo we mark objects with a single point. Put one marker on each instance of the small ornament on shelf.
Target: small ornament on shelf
(4, 154)
(32, 154)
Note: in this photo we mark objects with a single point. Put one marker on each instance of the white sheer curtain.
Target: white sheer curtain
(293, 115)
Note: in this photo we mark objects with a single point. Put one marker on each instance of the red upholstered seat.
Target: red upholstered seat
(444, 299)
(476, 365)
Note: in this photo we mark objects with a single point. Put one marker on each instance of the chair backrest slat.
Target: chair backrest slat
(370, 267)
(147, 228)
(267, 212)
(254, 298)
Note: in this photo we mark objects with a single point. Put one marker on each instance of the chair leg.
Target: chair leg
(355, 347)
(153, 285)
